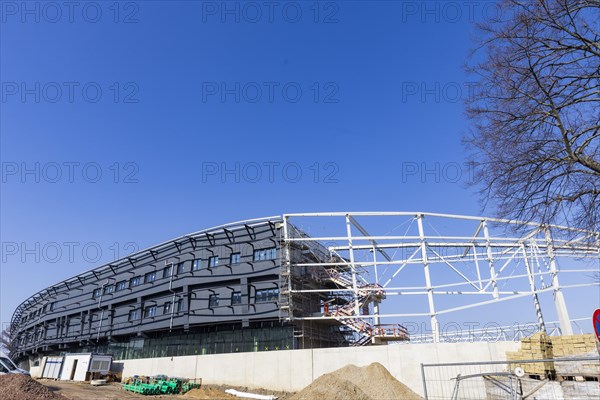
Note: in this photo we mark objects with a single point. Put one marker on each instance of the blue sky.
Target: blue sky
(128, 114)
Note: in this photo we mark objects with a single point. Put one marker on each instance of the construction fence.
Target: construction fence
(562, 378)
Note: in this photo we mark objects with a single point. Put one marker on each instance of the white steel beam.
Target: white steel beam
(352, 265)
(490, 257)
(366, 234)
(465, 255)
(559, 299)
(536, 301)
(434, 323)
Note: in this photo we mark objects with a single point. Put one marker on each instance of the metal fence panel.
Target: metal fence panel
(504, 380)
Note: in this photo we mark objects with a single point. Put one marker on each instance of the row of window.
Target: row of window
(39, 311)
(235, 258)
(151, 311)
(267, 295)
(213, 261)
(262, 295)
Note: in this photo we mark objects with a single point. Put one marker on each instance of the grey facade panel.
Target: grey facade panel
(138, 294)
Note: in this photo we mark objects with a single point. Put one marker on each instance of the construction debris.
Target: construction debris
(23, 387)
(372, 382)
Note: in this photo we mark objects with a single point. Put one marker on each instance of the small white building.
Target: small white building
(82, 366)
(49, 368)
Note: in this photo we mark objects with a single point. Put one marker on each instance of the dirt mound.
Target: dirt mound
(22, 387)
(331, 387)
(372, 382)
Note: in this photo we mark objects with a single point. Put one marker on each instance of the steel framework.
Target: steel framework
(470, 259)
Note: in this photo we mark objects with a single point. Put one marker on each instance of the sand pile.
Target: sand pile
(22, 387)
(372, 382)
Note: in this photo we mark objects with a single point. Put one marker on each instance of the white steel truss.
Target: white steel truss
(477, 261)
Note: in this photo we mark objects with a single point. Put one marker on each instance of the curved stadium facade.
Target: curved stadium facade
(220, 290)
(265, 284)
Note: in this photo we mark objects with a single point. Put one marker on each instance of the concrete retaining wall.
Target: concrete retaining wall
(292, 370)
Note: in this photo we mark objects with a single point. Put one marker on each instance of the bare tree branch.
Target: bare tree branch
(536, 113)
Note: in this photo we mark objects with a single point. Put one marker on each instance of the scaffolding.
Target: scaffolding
(340, 310)
(341, 277)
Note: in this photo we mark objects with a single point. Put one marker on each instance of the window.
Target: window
(180, 268)
(213, 261)
(150, 311)
(167, 271)
(150, 277)
(99, 366)
(51, 306)
(167, 308)
(135, 281)
(196, 265)
(263, 295)
(236, 298)
(235, 258)
(179, 305)
(134, 315)
(120, 286)
(97, 293)
(265, 254)
(109, 289)
(213, 300)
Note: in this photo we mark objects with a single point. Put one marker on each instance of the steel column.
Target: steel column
(559, 299)
(490, 257)
(352, 265)
(434, 323)
(536, 302)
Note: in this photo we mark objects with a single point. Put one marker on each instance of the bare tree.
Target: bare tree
(536, 112)
(6, 340)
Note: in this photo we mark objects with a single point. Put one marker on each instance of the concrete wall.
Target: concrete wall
(292, 370)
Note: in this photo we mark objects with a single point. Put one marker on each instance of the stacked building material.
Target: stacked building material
(541, 346)
(535, 347)
(576, 346)
(566, 346)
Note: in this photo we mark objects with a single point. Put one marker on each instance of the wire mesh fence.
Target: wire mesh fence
(504, 380)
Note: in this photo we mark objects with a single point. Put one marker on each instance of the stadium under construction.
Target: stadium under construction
(302, 281)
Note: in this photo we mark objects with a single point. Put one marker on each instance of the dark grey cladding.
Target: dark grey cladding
(106, 304)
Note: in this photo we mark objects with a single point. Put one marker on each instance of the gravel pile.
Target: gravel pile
(372, 382)
(22, 387)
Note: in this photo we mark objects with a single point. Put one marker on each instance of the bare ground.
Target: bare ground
(114, 391)
(372, 382)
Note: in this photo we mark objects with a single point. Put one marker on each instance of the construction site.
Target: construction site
(294, 304)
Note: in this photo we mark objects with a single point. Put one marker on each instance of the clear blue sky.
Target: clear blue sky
(381, 87)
